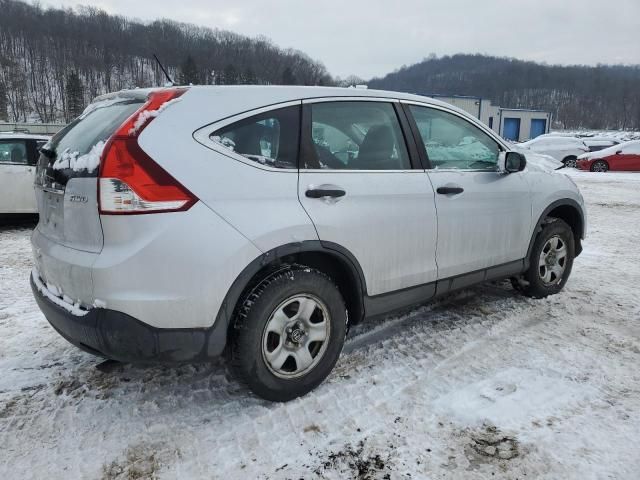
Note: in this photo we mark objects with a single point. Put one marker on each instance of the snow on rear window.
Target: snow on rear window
(79, 145)
(76, 162)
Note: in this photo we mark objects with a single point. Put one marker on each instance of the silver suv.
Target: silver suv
(180, 223)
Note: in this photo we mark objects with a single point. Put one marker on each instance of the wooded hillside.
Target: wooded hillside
(602, 97)
(53, 61)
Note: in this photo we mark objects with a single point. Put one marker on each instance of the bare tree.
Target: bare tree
(41, 47)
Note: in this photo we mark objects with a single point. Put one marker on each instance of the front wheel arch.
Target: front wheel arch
(571, 213)
(537, 281)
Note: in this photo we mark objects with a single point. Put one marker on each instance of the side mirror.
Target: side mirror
(618, 152)
(513, 162)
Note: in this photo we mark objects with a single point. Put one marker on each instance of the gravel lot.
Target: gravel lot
(482, 384)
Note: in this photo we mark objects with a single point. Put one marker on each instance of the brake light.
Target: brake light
(130, 182)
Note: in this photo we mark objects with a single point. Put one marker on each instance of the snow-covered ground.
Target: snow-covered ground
(620, 135)
(483, 384)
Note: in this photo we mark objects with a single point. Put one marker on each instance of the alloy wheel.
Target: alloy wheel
(599, 167)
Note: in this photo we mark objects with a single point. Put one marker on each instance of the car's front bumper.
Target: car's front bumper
(118, 336)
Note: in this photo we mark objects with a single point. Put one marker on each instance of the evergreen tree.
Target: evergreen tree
(288, 78)
(189, 72)
(230, 75)
(250, 77)
(74, 92)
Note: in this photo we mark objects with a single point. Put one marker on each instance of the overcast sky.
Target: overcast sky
(373, 37)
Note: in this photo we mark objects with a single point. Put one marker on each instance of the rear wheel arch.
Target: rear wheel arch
(331, 259)
(570, 212)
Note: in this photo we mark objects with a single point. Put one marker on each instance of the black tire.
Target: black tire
(599, 166)
(248, 360)
(531, 283)
(570, 162)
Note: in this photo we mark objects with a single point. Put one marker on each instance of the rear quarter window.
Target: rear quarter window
(270, 138)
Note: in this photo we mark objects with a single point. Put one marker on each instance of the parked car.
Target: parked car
(18, 157)
(623, 157)
(180, 223)
(565, 149)
(596, 144)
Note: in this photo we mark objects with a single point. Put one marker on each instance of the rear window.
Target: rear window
(75, 151)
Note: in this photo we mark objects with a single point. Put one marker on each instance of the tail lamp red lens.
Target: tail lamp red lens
(131, 182)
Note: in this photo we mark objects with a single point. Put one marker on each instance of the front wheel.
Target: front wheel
(570, 162)
(289, 333)
(550, 261)
(599, 166)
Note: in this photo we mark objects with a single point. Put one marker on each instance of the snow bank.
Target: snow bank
(76, 162)
(619, 135)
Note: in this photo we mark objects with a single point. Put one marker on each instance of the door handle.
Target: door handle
(322, 192)
(449, 190)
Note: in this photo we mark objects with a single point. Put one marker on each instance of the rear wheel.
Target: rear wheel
(289, 333)
(599, 166)
(550, 261)
(570, 162)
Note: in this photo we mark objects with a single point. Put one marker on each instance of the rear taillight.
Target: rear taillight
(130, 181)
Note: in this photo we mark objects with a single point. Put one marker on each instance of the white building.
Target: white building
(511, 123)
(32, 128)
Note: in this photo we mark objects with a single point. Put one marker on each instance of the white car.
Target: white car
(18, 158)
(564, 149)
(180, 223)
(596, 144)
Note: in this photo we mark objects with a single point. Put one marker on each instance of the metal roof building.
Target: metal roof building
(511, 123)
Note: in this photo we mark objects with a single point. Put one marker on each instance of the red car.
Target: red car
(623, 157)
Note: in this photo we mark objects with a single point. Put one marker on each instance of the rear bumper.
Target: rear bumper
(118, 336)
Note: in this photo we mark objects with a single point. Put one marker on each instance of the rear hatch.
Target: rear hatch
(67, 175)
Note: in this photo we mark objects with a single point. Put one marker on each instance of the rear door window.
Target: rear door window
(356, 135)
(270, 138)
(453, 142)
(13, 152)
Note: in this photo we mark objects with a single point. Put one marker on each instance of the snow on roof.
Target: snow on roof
(629, 148)
(22, 136)
(557, 141)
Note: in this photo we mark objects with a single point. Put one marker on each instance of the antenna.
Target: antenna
(163, 71)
